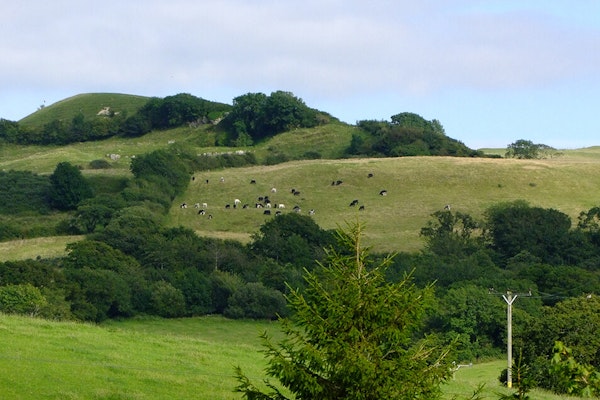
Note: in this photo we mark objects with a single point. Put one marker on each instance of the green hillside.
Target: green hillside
(173, 273)
(416, 187)
(157, 359)
(89, 104)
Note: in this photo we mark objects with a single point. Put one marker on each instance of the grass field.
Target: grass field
(44, 247)
(158, 359)
(416, 187)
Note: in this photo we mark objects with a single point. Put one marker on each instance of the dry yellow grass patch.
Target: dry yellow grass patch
(46, 247)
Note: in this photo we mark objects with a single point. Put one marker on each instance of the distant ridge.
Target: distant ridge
(89, 104)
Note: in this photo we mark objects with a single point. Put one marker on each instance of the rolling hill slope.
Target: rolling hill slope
(89, 104)
(416, 187)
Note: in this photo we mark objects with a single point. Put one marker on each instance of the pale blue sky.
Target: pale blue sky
(491, 72)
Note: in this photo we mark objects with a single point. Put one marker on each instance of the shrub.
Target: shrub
(100, 164)
(256, 301)
(166, 301)
(21, 299)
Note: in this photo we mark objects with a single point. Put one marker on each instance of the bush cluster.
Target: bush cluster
(407, 134)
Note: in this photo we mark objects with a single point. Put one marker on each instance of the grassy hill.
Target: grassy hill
(88, 104)
(416, 186)
(158, 359)
(194, 358)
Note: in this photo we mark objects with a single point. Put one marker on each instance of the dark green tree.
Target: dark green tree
(98, 294)
(130, 230)
(173, 111)
(575, 322)
(136, 125)
(79, 131)
(89, 216)
(254, 300)
(23, 299)
(166, 301)
(412, 120)
(22, 191)
(96, 212)
(480, 319)
(284, 111)
(255, 116)
(407, 134)
(223, 285)
(455, 234)
(196, 289)
(589, 225)
(9, 130)
(526, 149)
(247, 116)
(89, 258)
(291, 238)
(516, 226)
(68, 187)
(166, 167)
(352, 335)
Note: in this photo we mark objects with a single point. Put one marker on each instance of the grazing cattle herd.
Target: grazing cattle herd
(265, 203)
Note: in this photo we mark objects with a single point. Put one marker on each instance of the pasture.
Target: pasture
(416, 187)
(158, 359)
(43, 247)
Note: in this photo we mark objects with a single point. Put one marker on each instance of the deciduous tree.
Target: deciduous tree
(526, 149)
(67, 187)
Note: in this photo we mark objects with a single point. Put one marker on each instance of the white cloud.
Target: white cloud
(328, 50)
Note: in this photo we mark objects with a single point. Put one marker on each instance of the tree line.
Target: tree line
(252, 118)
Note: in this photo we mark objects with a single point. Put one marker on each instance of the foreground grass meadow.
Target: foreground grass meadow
(147, 359)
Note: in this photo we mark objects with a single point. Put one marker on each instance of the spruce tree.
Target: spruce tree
(353, 335)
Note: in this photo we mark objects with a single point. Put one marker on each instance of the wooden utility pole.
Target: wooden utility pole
(509, 298)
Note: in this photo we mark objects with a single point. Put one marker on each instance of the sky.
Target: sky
(492, 72)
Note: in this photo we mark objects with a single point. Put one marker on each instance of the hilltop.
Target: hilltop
(90, 105)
